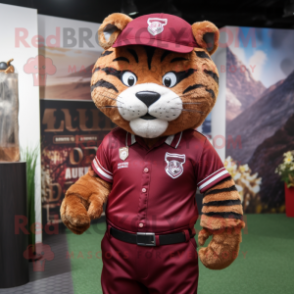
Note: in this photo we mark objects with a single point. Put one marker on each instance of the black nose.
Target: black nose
(148, 97)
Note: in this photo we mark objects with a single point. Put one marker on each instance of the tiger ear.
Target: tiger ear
(111, 28)
(206, 35)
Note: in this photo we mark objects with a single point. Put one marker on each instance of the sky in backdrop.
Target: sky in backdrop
(268, 53)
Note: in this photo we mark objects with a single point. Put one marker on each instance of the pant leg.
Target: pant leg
(173, 269)
(120, 274)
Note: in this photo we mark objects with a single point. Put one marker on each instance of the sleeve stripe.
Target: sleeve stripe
(223, 203)
(224, 181)
(213, 179)
(101, 172)
(216, 191)
(100, 165)
(225, 215)
(217, 171)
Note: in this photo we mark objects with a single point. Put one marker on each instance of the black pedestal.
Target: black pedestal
(14, 268)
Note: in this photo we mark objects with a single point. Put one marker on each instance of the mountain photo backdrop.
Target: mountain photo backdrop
(259, 113)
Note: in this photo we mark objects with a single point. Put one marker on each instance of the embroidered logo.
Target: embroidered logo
(156, 25)
(123, 153)
(122, 165)
(174, 167)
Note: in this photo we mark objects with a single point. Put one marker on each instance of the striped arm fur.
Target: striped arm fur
(222, 207)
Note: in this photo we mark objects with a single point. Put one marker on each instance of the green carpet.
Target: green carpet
(265, 263)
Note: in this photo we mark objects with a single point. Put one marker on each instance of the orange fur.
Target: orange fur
(118, 20)
(104, 97)
(222, 197)
(226, 184)
(222, 250)
(84, 201)
(199, 29)
(234, 208)
(219, 223)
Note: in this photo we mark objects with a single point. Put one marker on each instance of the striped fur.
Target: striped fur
(197, 81)
(222, 207)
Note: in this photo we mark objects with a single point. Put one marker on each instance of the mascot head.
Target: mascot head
(155, 77)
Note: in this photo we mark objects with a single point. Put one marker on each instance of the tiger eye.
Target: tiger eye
(131, 81)
(167, 82)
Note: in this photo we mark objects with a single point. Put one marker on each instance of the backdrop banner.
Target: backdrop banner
(71, 126)
(259, 112)
(71, 132)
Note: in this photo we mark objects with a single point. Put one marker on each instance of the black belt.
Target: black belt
(148, 239)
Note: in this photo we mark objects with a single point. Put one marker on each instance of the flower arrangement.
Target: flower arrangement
(286, 169)
(247, 184)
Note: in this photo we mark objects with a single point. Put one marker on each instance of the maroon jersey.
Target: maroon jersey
(153, 190)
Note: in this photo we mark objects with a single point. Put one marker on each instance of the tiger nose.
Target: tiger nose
(148, 97)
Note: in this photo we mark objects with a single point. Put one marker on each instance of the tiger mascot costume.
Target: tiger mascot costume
(157, 82)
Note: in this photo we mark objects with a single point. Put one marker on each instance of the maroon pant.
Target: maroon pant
(129, 268)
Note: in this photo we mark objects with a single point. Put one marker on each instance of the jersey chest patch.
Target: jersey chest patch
(174, 164)
(123, 153)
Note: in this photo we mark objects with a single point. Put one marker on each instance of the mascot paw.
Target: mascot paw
(96, 207)
(221, 251)
(74, 214)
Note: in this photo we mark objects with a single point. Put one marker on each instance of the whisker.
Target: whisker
(190, 110)
(111, 98)
(190, 93)
(116, 95)
(112, 106)
(107, 92)
(186, 95)
(109, 106)
(190, 103)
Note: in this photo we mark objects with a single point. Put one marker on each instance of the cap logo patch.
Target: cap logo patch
(156, 25)
(174, 167)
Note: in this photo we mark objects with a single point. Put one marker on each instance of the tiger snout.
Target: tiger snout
(149, 108)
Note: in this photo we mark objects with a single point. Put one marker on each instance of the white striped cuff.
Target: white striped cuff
(213, 179)
(103, 172)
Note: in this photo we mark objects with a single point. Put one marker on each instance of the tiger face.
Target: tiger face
(153, 92)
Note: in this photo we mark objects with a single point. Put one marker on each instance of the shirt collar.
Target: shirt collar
(130, 139)
(172, 140)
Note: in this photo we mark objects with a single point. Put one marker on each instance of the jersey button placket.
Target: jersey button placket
(144, 197)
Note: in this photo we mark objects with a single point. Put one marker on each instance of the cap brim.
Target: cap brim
(155, 43)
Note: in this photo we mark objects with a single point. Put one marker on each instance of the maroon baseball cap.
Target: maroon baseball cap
(159, 30)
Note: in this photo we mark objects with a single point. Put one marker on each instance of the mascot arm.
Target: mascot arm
(83, 202)
(222, 218)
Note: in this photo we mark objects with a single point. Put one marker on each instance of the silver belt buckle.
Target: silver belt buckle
(153, 243)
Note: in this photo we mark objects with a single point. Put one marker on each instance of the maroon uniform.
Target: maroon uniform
(153, 190)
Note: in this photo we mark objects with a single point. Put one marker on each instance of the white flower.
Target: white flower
(237, 176)
(256, 189)
(288, 159)
(239, 188)
(258, 181)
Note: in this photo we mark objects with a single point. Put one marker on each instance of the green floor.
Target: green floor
(265, 263)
